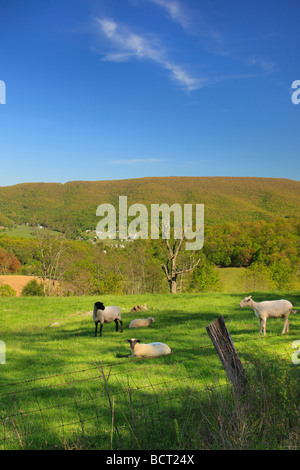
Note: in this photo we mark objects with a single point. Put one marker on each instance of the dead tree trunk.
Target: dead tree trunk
(224, 346)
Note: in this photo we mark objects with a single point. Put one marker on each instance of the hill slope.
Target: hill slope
(72, 206)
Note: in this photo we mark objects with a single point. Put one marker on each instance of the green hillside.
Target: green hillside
(72, 206)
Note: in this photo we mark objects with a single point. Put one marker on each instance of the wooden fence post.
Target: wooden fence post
(224, 346)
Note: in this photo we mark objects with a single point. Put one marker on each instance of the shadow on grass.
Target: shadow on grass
(157, 408)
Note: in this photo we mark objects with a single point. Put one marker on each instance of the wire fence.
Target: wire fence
(107, 403)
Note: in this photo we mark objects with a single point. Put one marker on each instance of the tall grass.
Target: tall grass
(266, 417)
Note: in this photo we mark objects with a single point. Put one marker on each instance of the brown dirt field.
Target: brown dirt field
(17, 282)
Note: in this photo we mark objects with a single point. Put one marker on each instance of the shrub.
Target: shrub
(7, 291)
(205, 277)
(258, 276)
(284, 274)
(33, 288)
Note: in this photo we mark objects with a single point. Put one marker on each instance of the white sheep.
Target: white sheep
(140, 322)
(270, 309)
(139, 349)
(106, 315)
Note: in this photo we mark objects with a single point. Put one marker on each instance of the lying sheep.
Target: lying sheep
(139, 349)
(106, 315)
(270, 309)
(140, 322)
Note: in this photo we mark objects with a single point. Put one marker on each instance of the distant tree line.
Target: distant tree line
(269, 251)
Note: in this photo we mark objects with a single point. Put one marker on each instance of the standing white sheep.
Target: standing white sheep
(270, 309)
(139, 349)
(140, 322)
(106, 315)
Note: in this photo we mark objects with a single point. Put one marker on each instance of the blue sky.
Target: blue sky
(113, 89)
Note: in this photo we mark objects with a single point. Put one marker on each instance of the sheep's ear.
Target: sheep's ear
(127, 340)
(138, 341)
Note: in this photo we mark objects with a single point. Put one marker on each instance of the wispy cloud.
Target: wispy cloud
(211, 38)
(266, 65)
(126, 44)
(176, 10)
(136, 161)
(192, 22)
(130, 45)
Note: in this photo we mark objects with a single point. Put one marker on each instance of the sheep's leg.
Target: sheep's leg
(286, 326)
(101, 326)
(121, 325)
(260, 326)
(96, 327)
(117, 326)
(265, 324)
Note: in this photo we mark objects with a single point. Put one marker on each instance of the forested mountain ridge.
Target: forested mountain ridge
(71, 207)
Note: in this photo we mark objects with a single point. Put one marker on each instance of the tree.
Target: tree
(175, 256)
(8, 262)
(205, 277)
(258, 276)
(51, 248)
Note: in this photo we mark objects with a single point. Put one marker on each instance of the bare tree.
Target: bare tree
(51, 248)
(170, 266)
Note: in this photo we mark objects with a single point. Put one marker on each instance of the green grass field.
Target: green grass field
(23, 231)
(234, 280)
(53, 393)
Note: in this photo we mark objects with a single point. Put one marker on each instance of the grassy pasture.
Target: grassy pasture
(61, 399)
(23, 231)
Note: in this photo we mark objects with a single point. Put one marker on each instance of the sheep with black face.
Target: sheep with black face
(102, 314)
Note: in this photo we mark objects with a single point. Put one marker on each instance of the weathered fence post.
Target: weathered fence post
(224, 346)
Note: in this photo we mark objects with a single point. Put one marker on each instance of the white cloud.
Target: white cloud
(125, 45)
(108, 26)
(176, 11)
(265, 64)
(193, 23)
(131, 45)
(136, 161)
